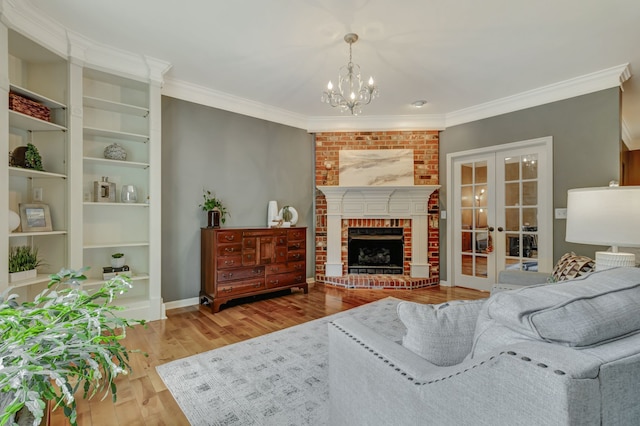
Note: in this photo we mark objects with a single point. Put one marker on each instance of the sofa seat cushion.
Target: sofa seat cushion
(584, 312)
(441, 334)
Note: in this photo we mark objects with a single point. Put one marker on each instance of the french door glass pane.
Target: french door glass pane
(473, 202)
(521, 212)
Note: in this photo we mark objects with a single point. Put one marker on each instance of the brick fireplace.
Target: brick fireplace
(413, 209)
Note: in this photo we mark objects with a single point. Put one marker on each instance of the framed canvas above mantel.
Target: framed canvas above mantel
(376, 167)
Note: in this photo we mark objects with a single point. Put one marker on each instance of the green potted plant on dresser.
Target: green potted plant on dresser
(66, 340)
(216, 211)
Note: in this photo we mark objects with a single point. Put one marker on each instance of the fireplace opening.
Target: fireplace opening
(375, 251)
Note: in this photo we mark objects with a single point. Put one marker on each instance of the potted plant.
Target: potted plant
(66, 340)
(117, 260)
(23, 261)
(216, 211)
(32, 159)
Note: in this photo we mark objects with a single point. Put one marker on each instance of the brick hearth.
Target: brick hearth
(381, 282)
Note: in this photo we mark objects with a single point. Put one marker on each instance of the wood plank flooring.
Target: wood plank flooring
(143, 398)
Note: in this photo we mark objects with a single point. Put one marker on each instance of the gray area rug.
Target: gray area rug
(280, 378)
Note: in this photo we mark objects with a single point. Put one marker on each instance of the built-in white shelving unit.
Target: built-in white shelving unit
(97, 96)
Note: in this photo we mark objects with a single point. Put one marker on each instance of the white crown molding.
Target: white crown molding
(376, 123)
(589, 83)
(23, 17)
(204, 96)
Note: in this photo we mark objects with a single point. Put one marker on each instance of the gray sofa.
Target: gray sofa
(555, 354)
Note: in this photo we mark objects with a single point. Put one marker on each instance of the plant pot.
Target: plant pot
(117, 262)
(213, 219)
(23, 275)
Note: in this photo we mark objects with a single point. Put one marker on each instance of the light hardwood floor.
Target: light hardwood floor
(143, 398)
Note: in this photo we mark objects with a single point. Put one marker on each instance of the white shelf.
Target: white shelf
(50, 103)
(35, 234)
(92, 102)
(96, 282)
(31, 173)
(39, 279)
(116, 244)
(115, 134)
(101, 204)
(26, 122)
(120, 163)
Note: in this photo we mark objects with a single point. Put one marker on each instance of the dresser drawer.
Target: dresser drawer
(281, 254)
(229, 249)
(296, 245)
(296, 234)
(295, 255)
(224, 262)
(229, 237)
(281, 280)
(231, 288)
(240, 273)
(281, 268)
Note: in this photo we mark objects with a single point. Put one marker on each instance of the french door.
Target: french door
(501, 212)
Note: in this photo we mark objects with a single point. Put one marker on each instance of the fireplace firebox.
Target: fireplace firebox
(375, 251)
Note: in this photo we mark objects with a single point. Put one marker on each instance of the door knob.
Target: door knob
(491, 229)
(500, 229)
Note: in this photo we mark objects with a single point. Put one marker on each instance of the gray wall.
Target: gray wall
(245, 161)
(586, 150)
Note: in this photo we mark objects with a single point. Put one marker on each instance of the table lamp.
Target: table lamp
(605, 216)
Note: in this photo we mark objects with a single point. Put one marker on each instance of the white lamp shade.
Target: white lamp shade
(604, 216)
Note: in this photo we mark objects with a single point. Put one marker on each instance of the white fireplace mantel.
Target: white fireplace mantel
(378, 202)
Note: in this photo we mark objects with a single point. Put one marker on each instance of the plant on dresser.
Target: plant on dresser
(241, 262)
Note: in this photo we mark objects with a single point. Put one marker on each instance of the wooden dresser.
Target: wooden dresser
(241, 262)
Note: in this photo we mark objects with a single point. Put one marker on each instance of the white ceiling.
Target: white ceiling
(458, 55)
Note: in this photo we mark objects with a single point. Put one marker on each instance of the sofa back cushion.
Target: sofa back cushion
(442, 334)
(584, 312)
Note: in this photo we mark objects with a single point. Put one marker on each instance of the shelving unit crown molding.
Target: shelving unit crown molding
(22, 17)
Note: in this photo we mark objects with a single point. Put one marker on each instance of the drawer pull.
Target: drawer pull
(275, 281)
(229, 249)
(229, 262)
(229, 275)
(275, 269)
(249, 256)
(298, 267)
(257, 285)
(229, 237)
(296, 245)
(227, 290)
(296, 256)
(257, 271)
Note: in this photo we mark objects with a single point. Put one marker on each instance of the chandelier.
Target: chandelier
(352, 93)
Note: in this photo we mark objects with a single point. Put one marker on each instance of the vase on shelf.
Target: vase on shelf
(213, 218)
(22, 275)
(115, 152)
(117, 262)
(128, 194)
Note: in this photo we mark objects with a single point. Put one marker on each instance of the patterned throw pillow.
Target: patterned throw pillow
(571, 266)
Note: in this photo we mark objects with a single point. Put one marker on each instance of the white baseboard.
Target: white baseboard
(182, 303)
(445, 284)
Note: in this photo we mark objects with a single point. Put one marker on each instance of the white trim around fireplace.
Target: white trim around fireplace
(378, 202)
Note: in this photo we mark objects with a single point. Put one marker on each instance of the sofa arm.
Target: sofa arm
(375, 381)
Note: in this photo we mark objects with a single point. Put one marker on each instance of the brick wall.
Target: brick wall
(424, 144)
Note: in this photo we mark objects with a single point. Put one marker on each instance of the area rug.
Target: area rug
(280, 378)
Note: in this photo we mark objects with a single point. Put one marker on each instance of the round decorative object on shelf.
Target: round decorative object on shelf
(14, 221)
(128, 194)
(115, 152)
(294, 215)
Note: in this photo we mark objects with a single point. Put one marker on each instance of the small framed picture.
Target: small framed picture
(35, 218)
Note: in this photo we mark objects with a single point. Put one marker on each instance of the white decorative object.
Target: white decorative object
(128, 194)
(115, 152)
(117, 262)
(605, 216)
(14, 220)
(294, 216)
(23, 275)
(272, 212)
(379, 167)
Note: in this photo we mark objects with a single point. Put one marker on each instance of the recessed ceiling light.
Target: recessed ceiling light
(419, 104)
